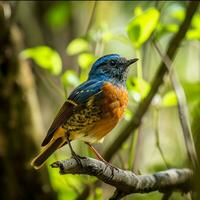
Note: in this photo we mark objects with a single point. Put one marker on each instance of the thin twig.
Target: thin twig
(126, 181)
(91, 18)
(158, 138)
(132, 150)
(137, 150)
(182, 109)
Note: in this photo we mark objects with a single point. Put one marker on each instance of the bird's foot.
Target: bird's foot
(74, 155)
(112, 168)
(78, 159)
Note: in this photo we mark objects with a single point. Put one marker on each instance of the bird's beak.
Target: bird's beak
(131, 61)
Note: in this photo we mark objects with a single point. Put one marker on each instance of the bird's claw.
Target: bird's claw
(78, 159)
(112, 168)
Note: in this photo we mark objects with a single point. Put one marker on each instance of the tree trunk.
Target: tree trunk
(19, 121)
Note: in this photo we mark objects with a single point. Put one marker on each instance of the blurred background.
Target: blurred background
(46, 50)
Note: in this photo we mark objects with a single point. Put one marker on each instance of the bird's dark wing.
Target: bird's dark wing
(63, 114)
(76, 101)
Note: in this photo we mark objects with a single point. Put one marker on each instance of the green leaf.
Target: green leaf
(140, 28)
(163, 29)
(178, 14)
(77, 45)
(107, 36)
(196, 20)
(138, 10)
(173, 28)
(45, 57)
(138, 88)
(70, 78)
(193, 34)
(169, 99)
(85, 60)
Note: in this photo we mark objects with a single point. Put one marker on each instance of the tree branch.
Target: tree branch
(157, 81)
(126, 181)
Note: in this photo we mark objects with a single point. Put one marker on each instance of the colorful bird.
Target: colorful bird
(92, 110)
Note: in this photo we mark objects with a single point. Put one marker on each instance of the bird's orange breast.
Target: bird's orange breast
(115, 100)
(113, 104)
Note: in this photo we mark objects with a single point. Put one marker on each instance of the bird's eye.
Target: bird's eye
(112, 63)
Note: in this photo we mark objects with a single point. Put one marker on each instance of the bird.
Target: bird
(92, 109)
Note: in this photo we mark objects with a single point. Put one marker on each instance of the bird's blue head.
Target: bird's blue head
(112, 68)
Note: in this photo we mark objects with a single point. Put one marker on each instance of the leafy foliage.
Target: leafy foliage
(169, 99)
(138, 88)
(141, 26)
(77, 45)
(177, 16)
(45, 57)
(85, 60)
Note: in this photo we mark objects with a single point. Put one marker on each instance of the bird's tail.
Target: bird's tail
(54, 144)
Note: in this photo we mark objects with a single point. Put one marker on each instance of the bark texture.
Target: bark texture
(19, 121)
(126, 182)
